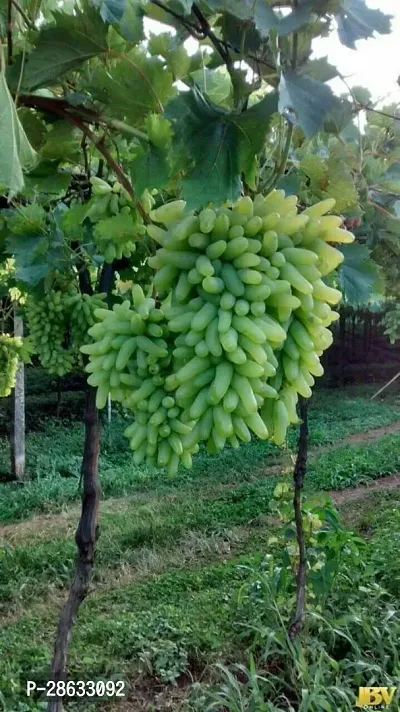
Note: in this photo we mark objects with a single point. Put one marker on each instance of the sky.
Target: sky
(376, 62)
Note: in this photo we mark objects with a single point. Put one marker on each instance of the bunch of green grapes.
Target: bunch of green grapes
(47, 323)
(117, 221)
(391, 322)
(81, 315)
(247, 314)
(247, 297)
(130, 359)
(58, 322)
(12, 350)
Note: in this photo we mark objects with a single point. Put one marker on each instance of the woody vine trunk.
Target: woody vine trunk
(87, 531)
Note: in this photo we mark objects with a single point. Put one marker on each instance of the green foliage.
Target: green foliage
(16, 153)
(62, 48)
(232, 144)
(391, 321)
(133, 86)
(312, 103)
(357, 21)
(358, 275)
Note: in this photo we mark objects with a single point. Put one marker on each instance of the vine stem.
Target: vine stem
(87, 531)
(9, 32)
(297, 620)
(279, 171)
(98, 142)
(24, 16)
(383, 210)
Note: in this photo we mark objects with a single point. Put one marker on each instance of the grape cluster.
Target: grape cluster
(246, 316)
(130, 359)
(81, 315)
(118, 223)
(58, 322)
(11, 352)
(391, 322)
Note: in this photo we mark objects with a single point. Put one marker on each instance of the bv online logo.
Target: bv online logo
(372, 696)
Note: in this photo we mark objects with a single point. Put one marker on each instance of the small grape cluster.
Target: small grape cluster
(81, 315)
(246, 316)
(12, 351)
(118, 223)
(391, 322)
(58, 322)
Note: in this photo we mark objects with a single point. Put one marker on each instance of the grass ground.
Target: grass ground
(178, 560)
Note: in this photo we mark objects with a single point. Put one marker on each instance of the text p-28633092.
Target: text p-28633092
(80, 688)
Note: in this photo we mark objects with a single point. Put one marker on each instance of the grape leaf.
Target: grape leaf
(131, 24)
(320, 69)
(31, 275)
(134, 86)
(110, 10)
(356, 21)
(214, 146)
(258, 11)
(34, 127)
(358, 274)
(16, 152)
(390, 180)
(63, 142)
(119, 228)
(47, 178)
(306, 13)
(296, 19)
(149, 169)
(311, 104)
(60, 49)
(215, 83)
(254, 125)
(125, 15)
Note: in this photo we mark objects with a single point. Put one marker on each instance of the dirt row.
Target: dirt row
(43, 526)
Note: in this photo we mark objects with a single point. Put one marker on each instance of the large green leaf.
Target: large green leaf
(254, 125)
(312, 104)
(130, 26)
(47, 178)
(358, 275)
(216, 146)
(207, 141)
(110, 10)
(61, 49)
(63, 142)
(125, 15)
(34, 127)
(356, 21)
(149, 169)
(16, 153)
(214, 83)
(391, 179)
(320, 69)
(133, 86)
(259, 11)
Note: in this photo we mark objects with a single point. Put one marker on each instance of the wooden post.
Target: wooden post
(109, 409)
(18, 413)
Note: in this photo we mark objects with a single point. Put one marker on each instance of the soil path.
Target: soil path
(44, 526)
(353, 493)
